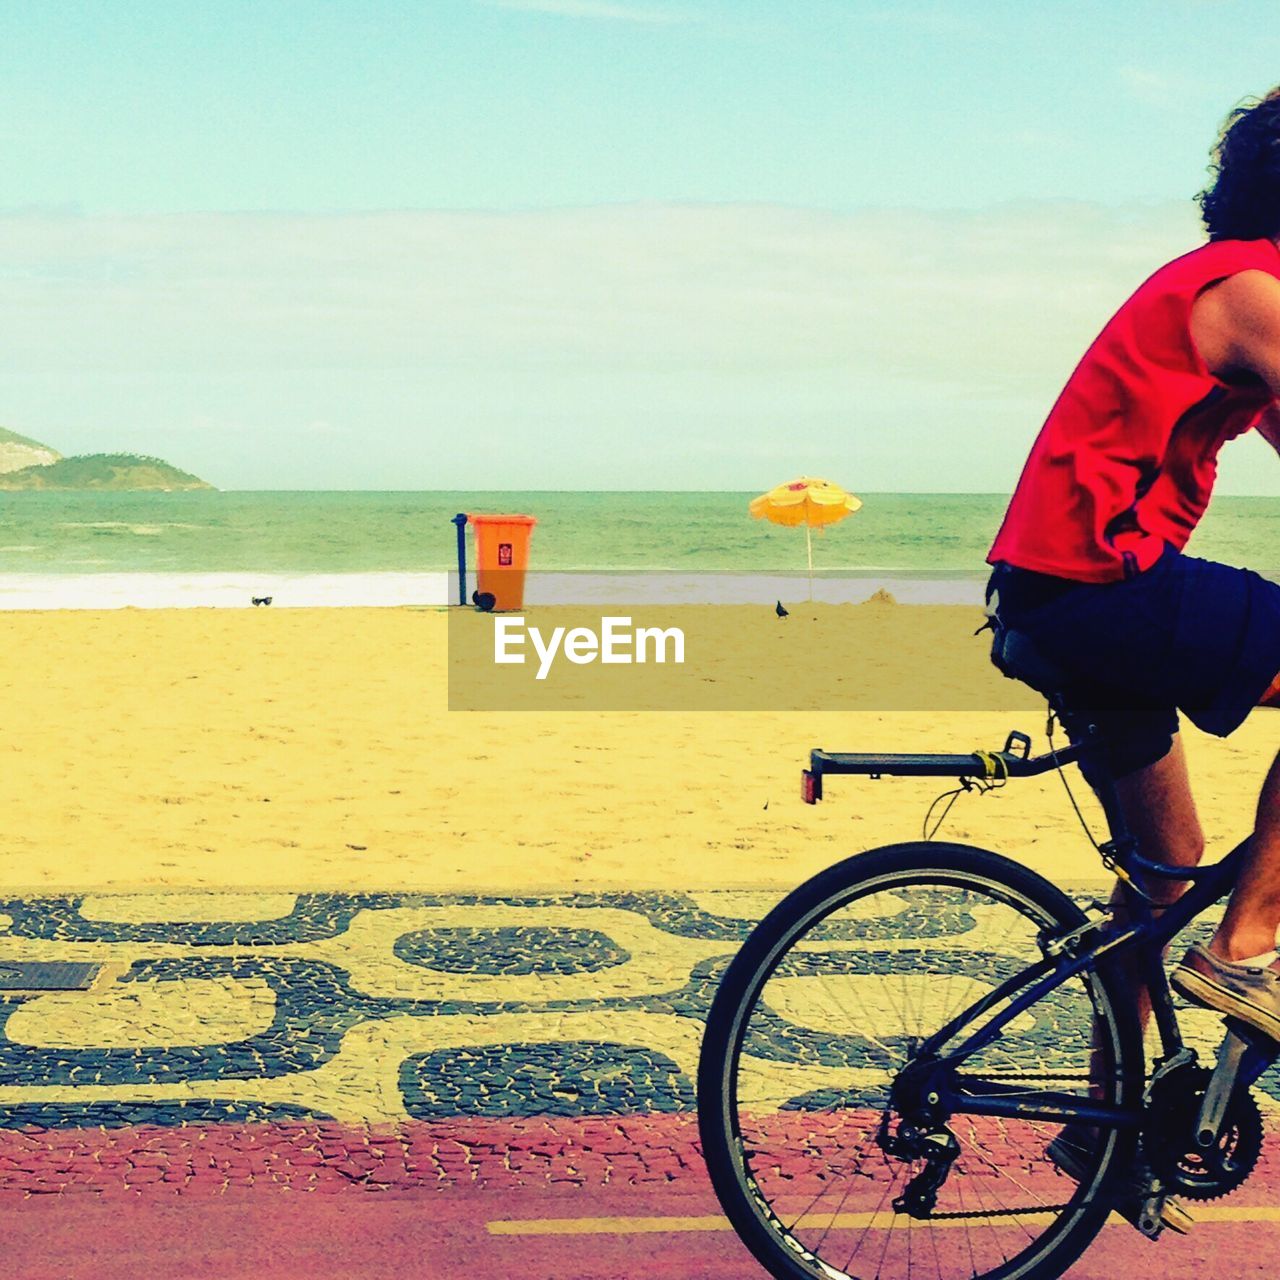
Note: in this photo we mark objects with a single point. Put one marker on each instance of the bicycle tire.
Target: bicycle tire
(912, 864)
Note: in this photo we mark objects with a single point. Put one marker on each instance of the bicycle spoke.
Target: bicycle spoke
(830, 1029)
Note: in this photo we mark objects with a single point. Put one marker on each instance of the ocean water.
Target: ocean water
(209, 548)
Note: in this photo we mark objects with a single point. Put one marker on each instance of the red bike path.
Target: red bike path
(591, 1200)
(593, 1235)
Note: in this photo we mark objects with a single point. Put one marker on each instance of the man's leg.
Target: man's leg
(1253, 915)
(1161, 815)
(1238, 974)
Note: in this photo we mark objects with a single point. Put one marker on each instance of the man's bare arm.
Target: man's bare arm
(1268, 426)
(1236, 327)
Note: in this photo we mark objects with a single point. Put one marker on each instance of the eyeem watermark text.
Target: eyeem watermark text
(617, 641)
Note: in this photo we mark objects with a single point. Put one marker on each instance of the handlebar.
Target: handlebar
(1014, 760)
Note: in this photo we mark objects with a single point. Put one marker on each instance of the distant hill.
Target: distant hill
(102, 471)
(17, 452)
(28, 464)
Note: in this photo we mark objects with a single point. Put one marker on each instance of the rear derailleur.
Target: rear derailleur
(937, 1147)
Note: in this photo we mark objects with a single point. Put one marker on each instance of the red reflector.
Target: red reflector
(810, 787)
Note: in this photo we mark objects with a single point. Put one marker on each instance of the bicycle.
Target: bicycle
(897, 1055)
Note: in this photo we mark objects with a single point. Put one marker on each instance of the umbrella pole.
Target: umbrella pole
(808, 544)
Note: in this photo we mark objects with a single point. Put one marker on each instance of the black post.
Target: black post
(461, 521)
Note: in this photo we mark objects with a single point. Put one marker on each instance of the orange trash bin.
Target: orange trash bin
(502, 556)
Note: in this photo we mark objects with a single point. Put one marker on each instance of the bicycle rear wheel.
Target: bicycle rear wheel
(830, 997)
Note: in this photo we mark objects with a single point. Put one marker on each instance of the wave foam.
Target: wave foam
(218, 590)
(236, 590)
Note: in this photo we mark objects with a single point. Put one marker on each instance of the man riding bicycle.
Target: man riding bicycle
(1088, 563)
(863, 1084)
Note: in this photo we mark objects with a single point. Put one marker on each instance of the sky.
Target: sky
(592, 243)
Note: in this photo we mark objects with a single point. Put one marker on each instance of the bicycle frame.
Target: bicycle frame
(1065, 957)
(1147, 935)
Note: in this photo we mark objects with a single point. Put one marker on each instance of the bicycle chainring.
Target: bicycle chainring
(1169, 1138)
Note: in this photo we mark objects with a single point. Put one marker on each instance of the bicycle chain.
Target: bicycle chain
(1042, 1076)
(998, 1213)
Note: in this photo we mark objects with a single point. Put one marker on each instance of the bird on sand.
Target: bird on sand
(779, 610)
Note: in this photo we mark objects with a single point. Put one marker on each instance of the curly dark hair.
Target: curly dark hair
(1244, 201)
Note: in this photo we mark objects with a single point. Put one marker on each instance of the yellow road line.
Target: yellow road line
(838, 1221)
(637, 1226)
(601, 1226)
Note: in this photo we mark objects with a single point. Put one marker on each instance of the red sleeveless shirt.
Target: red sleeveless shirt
(1126, 461)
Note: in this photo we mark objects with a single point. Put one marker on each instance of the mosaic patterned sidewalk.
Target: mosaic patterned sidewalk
(322, 1041)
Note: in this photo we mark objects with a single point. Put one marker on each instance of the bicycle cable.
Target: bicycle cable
(997, 776)
(1057, 764)
(950, 797)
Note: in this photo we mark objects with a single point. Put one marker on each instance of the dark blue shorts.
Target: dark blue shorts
(1187, 635)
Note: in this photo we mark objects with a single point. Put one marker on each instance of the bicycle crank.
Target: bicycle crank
(1185, 1165)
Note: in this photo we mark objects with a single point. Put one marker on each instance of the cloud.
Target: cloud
(1154, 88)
(606, 347)
(599, 9)
(928, 22)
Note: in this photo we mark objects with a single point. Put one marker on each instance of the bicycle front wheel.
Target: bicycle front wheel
(816, 1017)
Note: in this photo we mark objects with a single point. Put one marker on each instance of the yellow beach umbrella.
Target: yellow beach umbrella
(808, 502)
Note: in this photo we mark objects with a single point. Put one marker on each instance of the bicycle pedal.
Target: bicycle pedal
(1150, 1220)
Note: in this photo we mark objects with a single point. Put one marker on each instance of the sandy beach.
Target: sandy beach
(313, 749)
